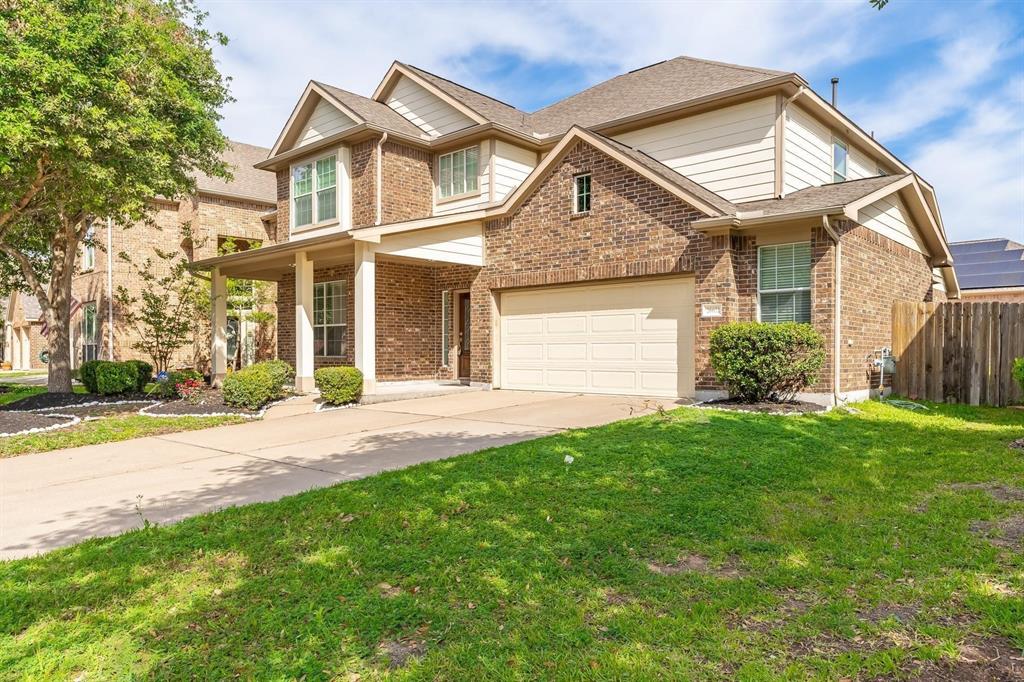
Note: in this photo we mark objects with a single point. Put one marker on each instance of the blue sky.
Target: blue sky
(940, 83)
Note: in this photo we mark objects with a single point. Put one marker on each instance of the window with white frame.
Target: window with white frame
(89, 248)
(458, 172)
(581, 193)
(784, 282)
(90, 335)
(315, 191)
(839, 156)
(329, 319)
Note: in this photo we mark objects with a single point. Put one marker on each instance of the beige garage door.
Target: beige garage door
(630, 339)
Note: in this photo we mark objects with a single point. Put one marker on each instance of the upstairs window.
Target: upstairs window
(839, 154)
(784, 282)
(581, 193)
(89, 249)
(315, 191)
(458, 172)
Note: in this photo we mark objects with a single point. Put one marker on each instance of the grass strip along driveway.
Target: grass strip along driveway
(693, 545)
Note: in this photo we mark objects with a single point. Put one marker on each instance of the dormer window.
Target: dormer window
(458, 172)
(839, 154)
(315, 191)
(581, 193)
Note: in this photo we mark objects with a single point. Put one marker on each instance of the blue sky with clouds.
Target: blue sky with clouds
(940, 83)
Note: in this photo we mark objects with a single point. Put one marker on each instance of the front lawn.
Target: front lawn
(693, 545)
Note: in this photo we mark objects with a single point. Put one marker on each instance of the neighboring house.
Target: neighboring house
(240, 209)
(990, 270)
(24, 341)
(432, 232)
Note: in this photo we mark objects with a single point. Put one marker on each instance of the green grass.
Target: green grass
(106, 430)
(17, 374)
(511, 564)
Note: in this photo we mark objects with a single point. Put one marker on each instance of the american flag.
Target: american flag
(75, 306)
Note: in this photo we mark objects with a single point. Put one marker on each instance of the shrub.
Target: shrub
(252, 387)
(114, 378)
(280, 370)
(765, 361)
(339, 385)
(144, 372)
(87, 374)
(1018, 372)
(167, 388)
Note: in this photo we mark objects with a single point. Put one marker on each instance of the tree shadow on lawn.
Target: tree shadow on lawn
(501, 561)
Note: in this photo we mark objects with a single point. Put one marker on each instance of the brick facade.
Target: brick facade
(190, 227)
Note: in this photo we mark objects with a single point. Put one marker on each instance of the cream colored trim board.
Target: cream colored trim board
(399, 69)
(780, 147)
(301, 109)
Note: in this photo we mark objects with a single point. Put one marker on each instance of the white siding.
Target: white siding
(325, 120)
(425, 109)
(807, 153)
(483, 182)
(860, 165)
(889, 217)
(730, 151)
(511, 166)
(456, 244)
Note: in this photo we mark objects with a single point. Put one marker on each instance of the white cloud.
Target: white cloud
(978, 169)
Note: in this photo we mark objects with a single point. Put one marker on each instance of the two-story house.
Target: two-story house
(239, 211)
(432, 232)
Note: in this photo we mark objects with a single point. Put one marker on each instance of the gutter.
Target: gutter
(380, 182)
(110, 288)
(837, 319)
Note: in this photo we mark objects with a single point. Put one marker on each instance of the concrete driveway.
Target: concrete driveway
(53, 499)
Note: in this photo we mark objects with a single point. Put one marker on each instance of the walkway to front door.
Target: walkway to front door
(54, 499)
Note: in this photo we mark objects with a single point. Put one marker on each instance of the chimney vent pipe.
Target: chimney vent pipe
(835, 92)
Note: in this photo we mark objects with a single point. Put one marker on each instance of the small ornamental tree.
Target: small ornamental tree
(163, 314)
(106, 104)
(759, 361)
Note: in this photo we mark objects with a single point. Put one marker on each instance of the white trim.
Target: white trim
(339, 189)
(576, 193)
(836, 141)
(398, 69)
(344, 316)
(808, 288)
(311, 89)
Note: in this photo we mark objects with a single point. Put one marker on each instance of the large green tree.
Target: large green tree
(104, 105)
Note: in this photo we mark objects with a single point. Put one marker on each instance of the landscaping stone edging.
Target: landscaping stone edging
(73, 420)
(707, 405)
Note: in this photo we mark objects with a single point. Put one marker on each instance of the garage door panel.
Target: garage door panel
(576, 324)
(626, 338)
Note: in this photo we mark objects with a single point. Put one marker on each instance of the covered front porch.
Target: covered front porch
(394, 305)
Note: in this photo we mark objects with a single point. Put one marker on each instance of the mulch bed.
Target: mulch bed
(788, 407)
(212, 403)
(56, 400)
(14, 421)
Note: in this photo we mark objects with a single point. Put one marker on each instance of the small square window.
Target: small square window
(581, 193)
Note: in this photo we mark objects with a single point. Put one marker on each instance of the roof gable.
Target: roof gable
(679, 185)
(418, 99)
(309, 120)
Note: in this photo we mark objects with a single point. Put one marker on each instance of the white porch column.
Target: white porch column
(219, 327)
(303, 323)
(366, 315)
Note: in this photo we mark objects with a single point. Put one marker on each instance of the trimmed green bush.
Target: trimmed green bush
(253, 387)
(339, 385)
(760, 361)
(281, 370)
(114, 378)
(1018, 372)
(144, 371)
(87, 374)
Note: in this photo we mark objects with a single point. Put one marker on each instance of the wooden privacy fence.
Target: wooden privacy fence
(957, 352)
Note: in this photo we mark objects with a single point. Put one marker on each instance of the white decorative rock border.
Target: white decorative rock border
(255, 415)
(41, 429)
(92, 403)
(327, 407)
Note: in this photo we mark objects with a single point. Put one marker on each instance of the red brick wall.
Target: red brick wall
(408, 183)
(364, 183)
(876, 272)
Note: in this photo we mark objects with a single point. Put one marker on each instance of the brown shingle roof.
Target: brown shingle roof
(676, 178)
(663, 84)
(247, 181)
(373, 112)
(491, 109)
(815, 198)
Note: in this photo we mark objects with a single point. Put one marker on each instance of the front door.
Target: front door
(464, 335)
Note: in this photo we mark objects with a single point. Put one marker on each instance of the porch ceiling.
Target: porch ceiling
(271, 263)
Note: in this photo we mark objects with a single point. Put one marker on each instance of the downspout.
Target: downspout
(110, 289)
(380, 175)
(837, 326)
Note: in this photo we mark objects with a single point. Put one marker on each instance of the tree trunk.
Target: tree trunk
(59, 322)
